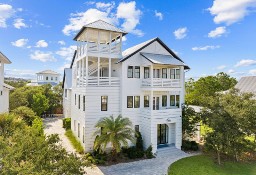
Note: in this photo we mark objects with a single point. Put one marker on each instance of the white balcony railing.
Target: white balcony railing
(95, 48)
(164, 112)
(160, 82)
(101, 81)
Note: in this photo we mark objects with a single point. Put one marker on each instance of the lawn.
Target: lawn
(75, 143)
(205, 165)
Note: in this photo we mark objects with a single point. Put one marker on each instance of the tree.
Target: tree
(40, 103)
(200, 92)
(189, 122)
(116, 132)
(26, 114)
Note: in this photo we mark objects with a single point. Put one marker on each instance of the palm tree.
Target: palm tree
(115, 132)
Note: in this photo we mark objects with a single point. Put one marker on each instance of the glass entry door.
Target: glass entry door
(162, 134)
(156, 103)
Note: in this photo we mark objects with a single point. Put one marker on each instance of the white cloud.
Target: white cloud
(105, 6)
(203, 48)
(82, 18)
(41, 43)
(180, 33)
(221, 67)
(231, 11)
(218, 32)
(61, 42)
(20, 42)
(253, 72)
(43, 56)
(131, 17)
(245, 63)
(231, 71)
(124, 38)
(18, 23)
(6, 12)
(159, 15)
(20, 73)
(67, 52)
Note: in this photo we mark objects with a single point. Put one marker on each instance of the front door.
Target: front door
(156, 103)
(162, 134)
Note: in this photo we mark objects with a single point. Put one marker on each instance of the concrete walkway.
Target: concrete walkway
(54, 126)
(156, 166)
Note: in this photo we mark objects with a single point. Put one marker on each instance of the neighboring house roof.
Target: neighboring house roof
(196, 108)
(247, 84)
(100, 25)
(48, 72)
(4, 58)
(8, 86)
(137, 48)
(67, 78)
(162, 59)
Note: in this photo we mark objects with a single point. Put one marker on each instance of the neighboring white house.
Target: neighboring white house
(46, 77)
(247, 85)
(4, 88)
(144, 83)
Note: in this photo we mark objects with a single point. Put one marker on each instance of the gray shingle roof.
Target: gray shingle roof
(48, 72)
(4, 58)
(99, 24)
(247, 84)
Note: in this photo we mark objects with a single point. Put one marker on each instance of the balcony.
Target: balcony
(162, 113)
(161, 83)
(98, 48)
(98, 82)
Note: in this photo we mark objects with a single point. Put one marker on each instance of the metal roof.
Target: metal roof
(48, 72)
(8, 86)
(162, 59)
(101, 25)
(4, 58)
(247, 84)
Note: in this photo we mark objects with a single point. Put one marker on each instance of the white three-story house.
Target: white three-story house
(144, 83)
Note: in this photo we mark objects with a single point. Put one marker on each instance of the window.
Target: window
(52, 78)
(66, 93)
(78, 101)
(75, 99)
(137, 128)
(164, 100)
(104, 103)
(146, 72)
(130, 72)
(83, 103)
(129, 101)
(1, 92)
(177, 74)
(178, 101)
(172, 76)
(172, 100)
(146, 101)
(136, 101)
(78, 130)
(137, 72)
(175, 101)
(164, 73)
(156, 73)
(74, 125)
(56, 78)
(46, 78)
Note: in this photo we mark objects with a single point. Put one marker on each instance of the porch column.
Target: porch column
(86, 68)
(182, 84)
(151, 75)
(109, 70)
(98, 71)
(83, 72)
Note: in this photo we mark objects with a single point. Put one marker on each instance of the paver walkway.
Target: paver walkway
(156, 166)
(54, 126)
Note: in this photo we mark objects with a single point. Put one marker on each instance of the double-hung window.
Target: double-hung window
(172, 74)
(164, 101)
(129, 101)
(137, 72)
(104, 103)
(164, 73)
(83, 103)
(146, 101)
(175, 74)
(136, 101)
(175, 101)
(130, 72)
(79, 101)
(146, 72)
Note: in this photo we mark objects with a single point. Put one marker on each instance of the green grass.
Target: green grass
(75, 143)
(205, 165)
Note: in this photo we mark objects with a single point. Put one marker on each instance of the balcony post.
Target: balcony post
(98, 70)
(182, 85)
(151, 75)
(110, 41)
(82, 72)
(86, 61)
(109, 70)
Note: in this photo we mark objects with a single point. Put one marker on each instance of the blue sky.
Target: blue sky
(209, 35)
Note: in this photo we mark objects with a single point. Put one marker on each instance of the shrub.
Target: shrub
(67, 123)
(37, 124)
(76, 144)
(139, 141)
(26, 114)
(149, 153)
(189, 145)
(96, 158)
(194, 146)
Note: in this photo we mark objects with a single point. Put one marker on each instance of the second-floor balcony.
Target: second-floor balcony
(161, 82)
(98, 82)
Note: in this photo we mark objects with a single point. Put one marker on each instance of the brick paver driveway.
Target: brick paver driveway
(156, 166)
